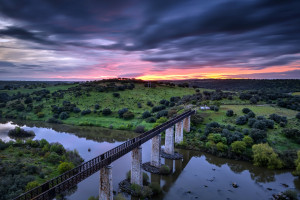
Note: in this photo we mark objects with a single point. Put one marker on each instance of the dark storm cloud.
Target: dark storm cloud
(293, 74)
(253, 34)
(23, 34)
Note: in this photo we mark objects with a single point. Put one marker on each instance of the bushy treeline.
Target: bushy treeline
(19, 174)
(279, 85)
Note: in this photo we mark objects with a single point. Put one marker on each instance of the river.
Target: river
(197, 176)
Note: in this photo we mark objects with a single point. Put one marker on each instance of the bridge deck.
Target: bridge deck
(71, 178)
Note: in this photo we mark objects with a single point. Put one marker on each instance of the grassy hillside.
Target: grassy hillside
(128, 99)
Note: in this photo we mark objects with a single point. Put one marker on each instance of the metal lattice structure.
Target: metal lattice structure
(72, 177)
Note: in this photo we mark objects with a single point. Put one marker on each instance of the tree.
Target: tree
(238, 147)
(248, 140)
(128, 115)
(298, 115)
(64, 167)
(106, 111)
(241, 120)
(115, 94)
(264, 156)
(229, 113)
(146, 114)
(297, 163)
(258, 135)
(253, 100)
(246, 110)
(31, 185)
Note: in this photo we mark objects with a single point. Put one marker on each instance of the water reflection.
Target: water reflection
(197, 175)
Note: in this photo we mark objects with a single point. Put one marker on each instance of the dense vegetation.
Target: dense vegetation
(243, 113)
(25, 165)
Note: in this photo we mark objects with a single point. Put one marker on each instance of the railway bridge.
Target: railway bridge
(173, 133)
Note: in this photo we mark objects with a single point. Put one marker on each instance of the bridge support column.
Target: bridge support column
(106, 184)
(187, 124)
(136, 166)
(179, 132)
(155, 153)
(169, 141)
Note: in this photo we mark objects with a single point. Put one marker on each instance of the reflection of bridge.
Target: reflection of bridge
(71, 178)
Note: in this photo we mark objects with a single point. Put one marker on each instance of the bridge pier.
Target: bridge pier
(179, 132)
(136, 166)
(155, 153)
(169, 141)
(106, 184)
(187, 124)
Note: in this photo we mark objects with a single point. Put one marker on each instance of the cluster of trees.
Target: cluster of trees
(280, 85)
(18, 176)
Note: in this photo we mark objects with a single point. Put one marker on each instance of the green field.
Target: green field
(128, 99)
(296, 93)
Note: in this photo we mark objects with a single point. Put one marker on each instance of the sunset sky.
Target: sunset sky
(154, 39)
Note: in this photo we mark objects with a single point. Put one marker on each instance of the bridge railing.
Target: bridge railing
(72, 177)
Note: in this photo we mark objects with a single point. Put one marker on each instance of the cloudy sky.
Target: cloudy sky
(153, 39)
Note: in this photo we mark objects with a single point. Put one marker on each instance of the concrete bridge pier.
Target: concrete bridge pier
(155, 153)
(106, 184)
(169, 141)
(136, 166)
(187, 124)
(179, 132)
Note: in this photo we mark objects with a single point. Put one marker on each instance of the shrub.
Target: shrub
(196, 119)
(140, 129)
(221, 147)
(128, 115)
(139, 105)
(115, 94)
(238, 147)
(145, 178)
(291, 133)
(250, 114)
(264, 156)
(106, 111)
(258, 135)
(136, 188)
(259, 124)
(151, 120)
(248, 140)
(146, 192)
(86, 112)
(251, 121)
(63, 115)
(122, 111)
(76, 110)
(162, 120)
(246, 110)
(149, 103)
(53, 158)
(158, 108)
(253, 100)
(57, 148)
(155, 188)
(97, 106)
(298, 115)
(164, 169)
(54, 121)
(19, 132)
(31, 185)
(64, 167)
(241, 120)
(297, 164)
(118, 197)
(20, 107)
(162, 113)
(40, 115)
(229, 113)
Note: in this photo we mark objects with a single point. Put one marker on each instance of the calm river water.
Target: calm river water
(197, 176)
